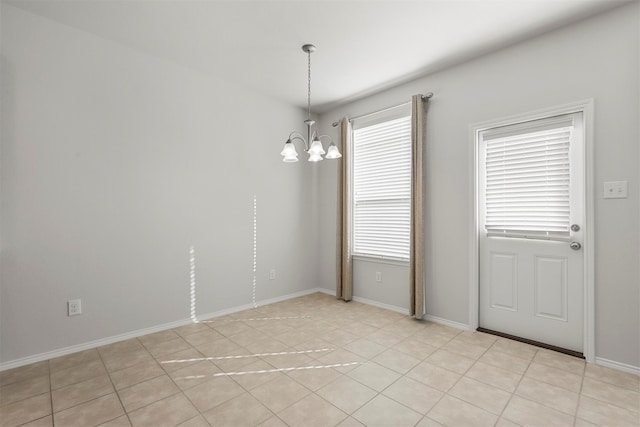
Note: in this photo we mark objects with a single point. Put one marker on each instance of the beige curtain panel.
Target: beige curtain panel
(344, 271)
(416, 239)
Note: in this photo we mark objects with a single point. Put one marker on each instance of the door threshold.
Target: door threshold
(533, 343)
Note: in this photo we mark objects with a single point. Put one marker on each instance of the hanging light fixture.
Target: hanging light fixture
(312, 144)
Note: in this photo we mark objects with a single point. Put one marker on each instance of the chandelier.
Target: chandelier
(312, 144)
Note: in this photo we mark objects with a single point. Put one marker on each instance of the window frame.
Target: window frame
(573, 121)
(386, 115)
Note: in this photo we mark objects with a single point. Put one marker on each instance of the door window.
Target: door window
(525, 179)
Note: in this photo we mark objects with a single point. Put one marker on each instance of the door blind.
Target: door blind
(527, 182)
(382, 188)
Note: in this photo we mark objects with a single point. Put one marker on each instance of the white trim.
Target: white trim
(440, 320)
(589, 322)
(379, 260)
(380, 116)
(382, 305)
(587, 108)
(326, 291)
(474, 267)
(618, 366)
(370, 302)
(427, 317)
(89, 345)
(145, 331)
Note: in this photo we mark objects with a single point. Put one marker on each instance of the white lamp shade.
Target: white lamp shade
(290, 159)
(289, 152)
(314, 157)
(289, 149)
(316, 148)
(333, 152)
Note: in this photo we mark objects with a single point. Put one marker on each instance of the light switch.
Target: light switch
(615, 190)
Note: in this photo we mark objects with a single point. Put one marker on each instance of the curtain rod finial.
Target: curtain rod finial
(427, 95)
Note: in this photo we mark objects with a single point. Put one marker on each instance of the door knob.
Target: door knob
(575, 228)
(575, 246)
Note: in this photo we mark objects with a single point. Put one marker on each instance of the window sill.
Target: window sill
(379, 260)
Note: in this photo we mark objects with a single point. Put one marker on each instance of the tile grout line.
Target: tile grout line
(180, 390)
(515, 389)
(349, 415)
(400, 403)
(575, 415)
(53, 420)
(311, 392)
(115, 390)
(249, 391)
(610, 403)
(381, 393)
(377, 393)
(446, 393)
(221, 403)
(463, 375)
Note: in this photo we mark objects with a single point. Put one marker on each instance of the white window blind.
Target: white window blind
(382, 187)
(527, 179)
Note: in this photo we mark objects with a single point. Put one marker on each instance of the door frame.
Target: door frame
(587, 108)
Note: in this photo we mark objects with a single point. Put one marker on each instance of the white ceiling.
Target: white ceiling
(363, 46)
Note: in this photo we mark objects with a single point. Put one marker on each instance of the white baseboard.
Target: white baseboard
(440, 320)
(369, 302)
(382, 305)
(326, 291)
(140, 332)
(617, 365)
(89, 345)
(428, 317)
(145, 331)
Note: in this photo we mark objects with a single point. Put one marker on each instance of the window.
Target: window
(526, 179)
(381, 183)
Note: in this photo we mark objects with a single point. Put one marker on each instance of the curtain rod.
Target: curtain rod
(428, 95)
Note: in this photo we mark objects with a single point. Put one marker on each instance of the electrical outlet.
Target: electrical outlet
(74, 307)
(615, 190)
(378, 276)
(272, 274)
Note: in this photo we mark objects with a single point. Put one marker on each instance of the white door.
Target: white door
(531, 225)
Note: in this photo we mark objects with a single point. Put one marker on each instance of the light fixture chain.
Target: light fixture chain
(309, 85)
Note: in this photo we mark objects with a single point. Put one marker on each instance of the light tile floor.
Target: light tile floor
(317, 361)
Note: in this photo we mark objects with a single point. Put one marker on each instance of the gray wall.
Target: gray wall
(114, 163)
(596, 58)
